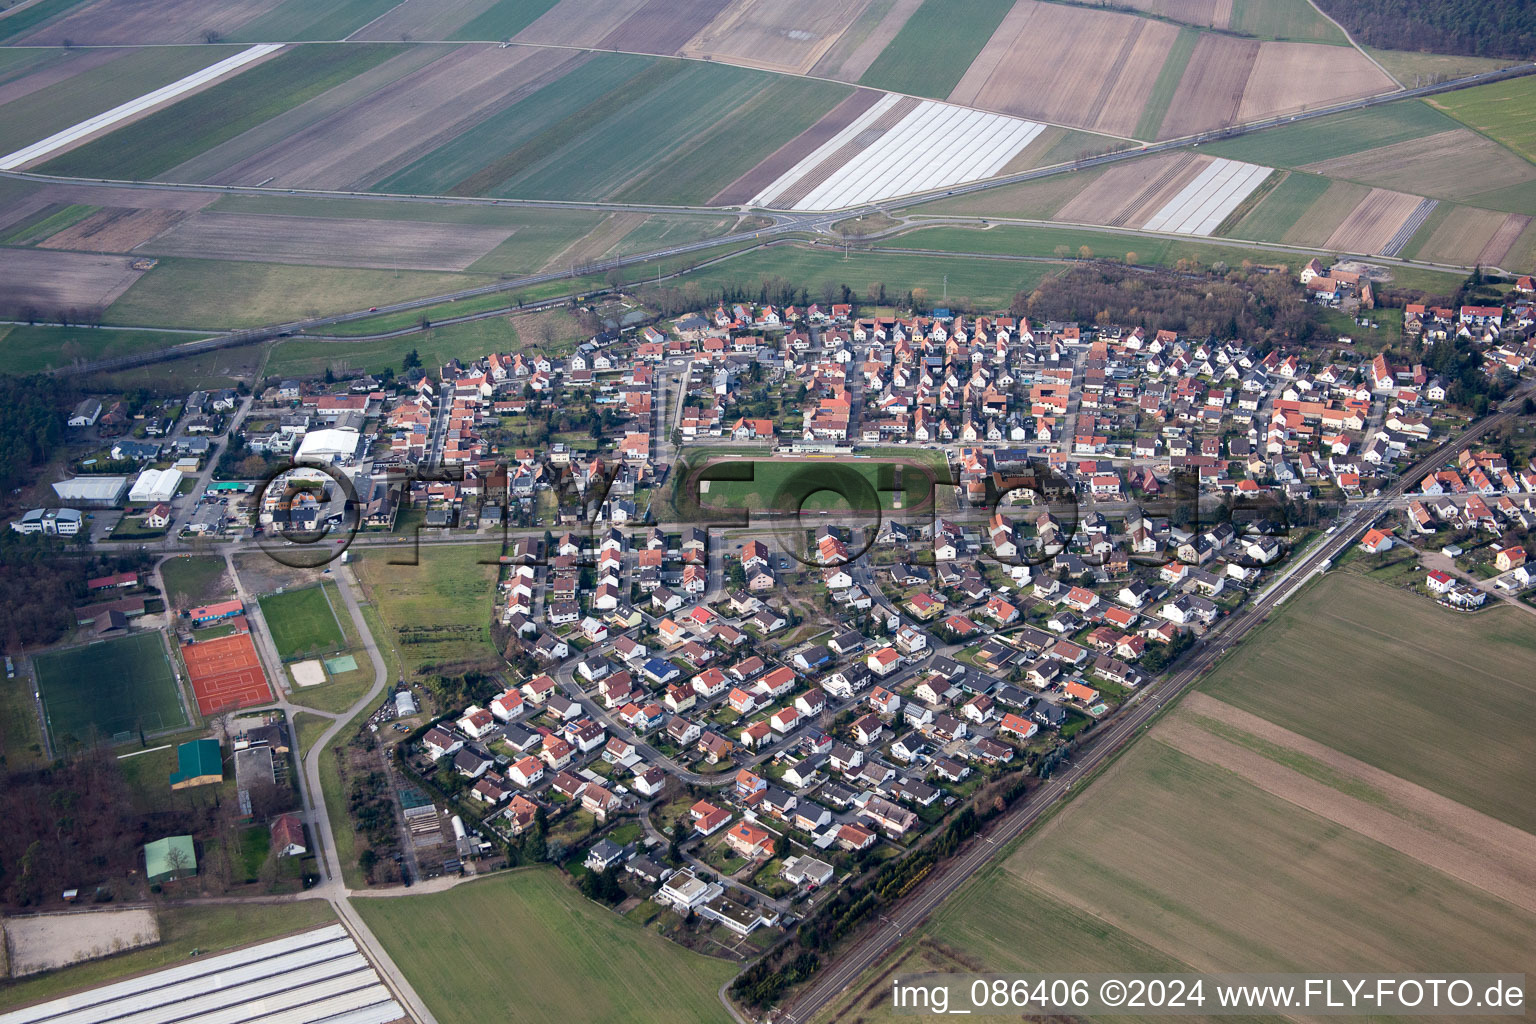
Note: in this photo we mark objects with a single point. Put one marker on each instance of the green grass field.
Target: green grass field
(1325, 138)
(21, 740)
(1167, 83)
(1412, 68)
(691, 129)
(168, 137)
(302, 622)
(209, 928)
(109, 689)
(989, 283)
(437, 611)
(30, 349)
(315, 20)
(1504, 111)
(216, 294)
(1278, 212)
(531, 918)
(191, 580)
(29, 18)
(39, 114)
(435, 346)
(504, 20)
(784, 483)
(1440, 699)
(1285, 19)
(929, 55)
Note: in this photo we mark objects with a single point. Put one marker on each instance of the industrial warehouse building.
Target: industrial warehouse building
(96, 491)
(155, 485)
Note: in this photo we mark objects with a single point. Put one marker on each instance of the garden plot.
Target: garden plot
(957, 144)
(1205, 202)
(324, 241)
(73, 136)
(777, 35)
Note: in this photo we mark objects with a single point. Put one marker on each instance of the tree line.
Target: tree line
(1480, 28)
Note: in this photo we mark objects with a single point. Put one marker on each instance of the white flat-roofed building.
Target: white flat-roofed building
(92, 490)
(154, 486)
(333, 444)
(686, 891)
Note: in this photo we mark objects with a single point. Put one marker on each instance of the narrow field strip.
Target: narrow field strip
(1205, 202)
(122, 112)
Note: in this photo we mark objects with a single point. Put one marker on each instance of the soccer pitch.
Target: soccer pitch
(302, 622)
(112, 689)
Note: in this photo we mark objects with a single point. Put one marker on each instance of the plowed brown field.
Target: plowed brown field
(779, 35)
(1128, 193)
(662, 26)
(1290, 76)
(1212, 87)
(579, 22)
(49, 281)
(1371, 225)
(1085, 68)
(321, 241)
(438, 20)
(1503, 239)
(1200, 13)
(857, 48)
(114, 229)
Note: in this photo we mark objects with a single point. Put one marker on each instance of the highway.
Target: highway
(1107, 740)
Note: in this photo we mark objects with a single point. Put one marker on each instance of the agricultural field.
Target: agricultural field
(1329, 138)
(788, 36)
(438, 610)
(70, 86)
(124, 22)
(1282, 208)
(219, 293)
(871, 32)
(532, 918)
(19, 22)
(40, 281)
(934, 46)
(703, 125)
(863, 162)
(1466, 235)
(1338, 866)
(310, 20)
(302, 622)
(160, 141)
(1376, 223)
(1032, 200)
(503, 19)
(1504, 111)
(1457, 164)
(25, 349)
(1412, 68)
(1127, 75)
(1408, 661)
(111, 689)
(1294, 20)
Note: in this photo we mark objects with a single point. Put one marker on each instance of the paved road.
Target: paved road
(1104, 742)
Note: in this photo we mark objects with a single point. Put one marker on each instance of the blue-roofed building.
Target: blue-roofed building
(661, 670)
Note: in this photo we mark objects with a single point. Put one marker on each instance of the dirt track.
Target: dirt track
(1430, 828)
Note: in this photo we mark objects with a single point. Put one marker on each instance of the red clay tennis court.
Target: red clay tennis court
(225, 673)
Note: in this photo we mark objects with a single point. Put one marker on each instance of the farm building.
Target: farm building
(198, 763)
(288, 835)
(170, 858)
(95, 491)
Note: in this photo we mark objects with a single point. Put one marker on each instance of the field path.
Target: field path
(1430, 828)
